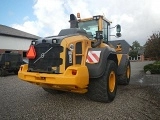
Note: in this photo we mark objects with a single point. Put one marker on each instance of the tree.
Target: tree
(152, 46)
(133, 53)
(135, 47)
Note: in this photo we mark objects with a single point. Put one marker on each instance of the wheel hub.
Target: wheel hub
(112, 81)
(128, 71)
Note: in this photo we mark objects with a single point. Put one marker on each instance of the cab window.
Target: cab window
(105, 30)
(89, 26)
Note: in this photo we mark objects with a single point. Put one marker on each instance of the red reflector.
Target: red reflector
(74, 72)
(31, 54)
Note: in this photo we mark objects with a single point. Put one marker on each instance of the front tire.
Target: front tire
(104, 88)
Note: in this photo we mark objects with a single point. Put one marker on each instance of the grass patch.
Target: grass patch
(153, 68)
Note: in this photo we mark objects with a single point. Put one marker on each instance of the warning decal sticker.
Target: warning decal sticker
(93, 56)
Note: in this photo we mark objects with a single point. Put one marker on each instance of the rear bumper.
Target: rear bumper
(80, 80)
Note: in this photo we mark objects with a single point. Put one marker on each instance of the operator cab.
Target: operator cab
(97, 23)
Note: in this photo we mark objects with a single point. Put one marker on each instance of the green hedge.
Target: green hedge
(157, 62)
(153, 68)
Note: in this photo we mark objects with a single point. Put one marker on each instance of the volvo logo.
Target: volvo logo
(42, 55)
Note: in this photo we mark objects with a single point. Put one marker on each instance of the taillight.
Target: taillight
(31, 54)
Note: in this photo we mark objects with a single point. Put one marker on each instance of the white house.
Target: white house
(15, 40)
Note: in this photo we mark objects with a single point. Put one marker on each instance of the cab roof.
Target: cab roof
(91, 18)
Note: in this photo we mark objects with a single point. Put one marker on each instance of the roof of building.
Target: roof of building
(124, 44)
(8, 31)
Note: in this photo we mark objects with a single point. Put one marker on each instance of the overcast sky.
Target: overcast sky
(138, 18)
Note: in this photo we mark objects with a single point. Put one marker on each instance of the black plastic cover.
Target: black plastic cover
(47, 56)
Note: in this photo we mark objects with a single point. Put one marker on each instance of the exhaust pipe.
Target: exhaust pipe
(73, 21)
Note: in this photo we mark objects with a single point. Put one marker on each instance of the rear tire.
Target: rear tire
(104, 88)
(124, 79)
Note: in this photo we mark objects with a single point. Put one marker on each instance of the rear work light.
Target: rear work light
(31, 54)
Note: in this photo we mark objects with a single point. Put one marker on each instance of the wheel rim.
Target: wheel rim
(128, 71)
(112, 81)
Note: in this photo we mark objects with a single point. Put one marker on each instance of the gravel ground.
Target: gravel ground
(139, 101)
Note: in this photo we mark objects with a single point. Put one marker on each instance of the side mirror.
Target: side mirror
(118, 28)
(118, 34)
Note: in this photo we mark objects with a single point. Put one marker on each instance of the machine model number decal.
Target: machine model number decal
(70, 56)
(93, 56)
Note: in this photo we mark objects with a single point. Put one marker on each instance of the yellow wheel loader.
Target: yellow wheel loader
(78, 60)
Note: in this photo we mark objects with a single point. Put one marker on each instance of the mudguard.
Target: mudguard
(97, 69)
(121, 66)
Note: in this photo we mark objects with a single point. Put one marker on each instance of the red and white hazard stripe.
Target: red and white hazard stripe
(93, 56)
